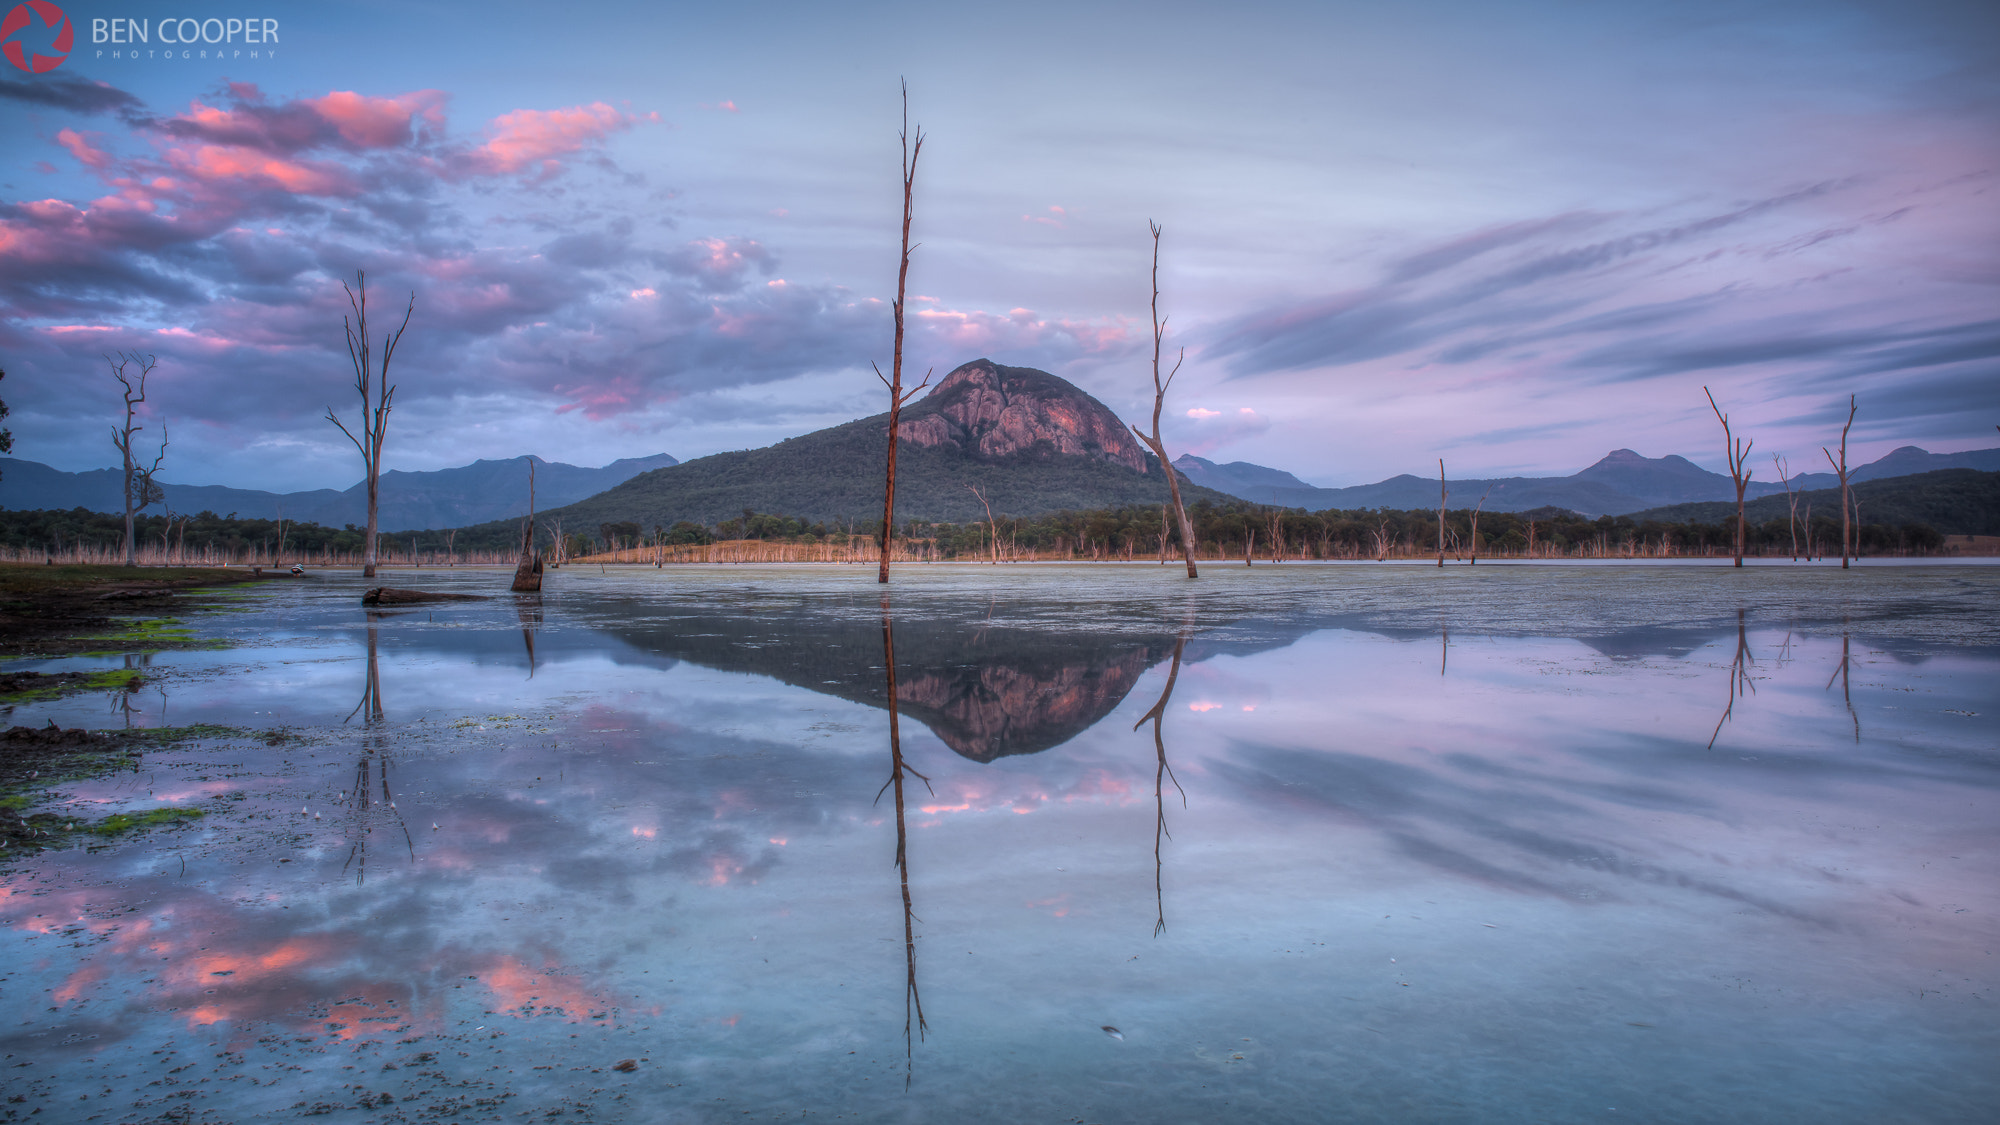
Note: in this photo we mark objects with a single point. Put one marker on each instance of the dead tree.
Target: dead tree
(992, 529)
(528, 570)
(894, 381)
(1791, 499)
(1160, 386)
(377, 394)
(1840, 467)
(1475, 525)
(1443, 495)
(1274, 523)
(1737, 450)
(140, 490)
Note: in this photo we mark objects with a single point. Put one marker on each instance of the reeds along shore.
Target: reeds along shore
(862, 550)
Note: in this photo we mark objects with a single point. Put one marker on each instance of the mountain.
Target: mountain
(1910, 459)
(475, 493)
(1950, 501)
(1238, 478)
(1621, 483)
(1029, 441)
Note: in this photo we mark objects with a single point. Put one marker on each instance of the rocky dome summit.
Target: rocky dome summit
(991, 411)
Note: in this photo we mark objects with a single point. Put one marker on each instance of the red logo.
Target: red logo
(52, 16)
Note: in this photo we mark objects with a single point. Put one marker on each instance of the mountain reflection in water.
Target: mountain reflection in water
(987, 692)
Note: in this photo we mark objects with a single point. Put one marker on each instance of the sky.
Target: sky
(1512, 235)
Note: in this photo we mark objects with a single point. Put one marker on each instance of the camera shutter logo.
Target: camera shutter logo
(52, 16)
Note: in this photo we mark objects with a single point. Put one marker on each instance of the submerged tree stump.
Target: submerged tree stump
(389, 595)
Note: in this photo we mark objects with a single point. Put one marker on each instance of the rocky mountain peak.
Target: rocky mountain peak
(990, 410)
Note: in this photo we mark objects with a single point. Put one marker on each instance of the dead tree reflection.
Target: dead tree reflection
(372, 770)
(1840, 673)
(912, 1000)
(1162, 772)
(529, 610)
(1740, 682)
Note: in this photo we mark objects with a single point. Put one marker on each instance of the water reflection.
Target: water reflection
(1846, 693)
(1739, 677)
(361, 805)
(912, 1000)
(987, 691)
(529, 611)
(1162, 771)
(1549, 895)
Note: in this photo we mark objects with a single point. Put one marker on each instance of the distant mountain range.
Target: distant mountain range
(1622, 483)
(1028, 441)
(475, 493)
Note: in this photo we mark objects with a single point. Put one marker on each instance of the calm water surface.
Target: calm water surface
(1371, 843)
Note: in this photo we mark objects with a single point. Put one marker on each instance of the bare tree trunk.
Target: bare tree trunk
(376, 400)
(1160, 386)
(992, 529)
(1791, 500)
(1738, 453)
(528, 570)
(895, 381)
(139, 487)
(1443, 495)
(1840, 466)
(1475, 525)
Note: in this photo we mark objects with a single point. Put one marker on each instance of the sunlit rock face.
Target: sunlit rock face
(989, 411)
(990, 711)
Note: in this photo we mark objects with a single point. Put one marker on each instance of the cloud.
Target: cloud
(69, 92)
(1467, 285)
(534, 138)
(1209, 430)
(368, 163)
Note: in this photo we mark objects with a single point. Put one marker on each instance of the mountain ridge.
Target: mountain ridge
(1622, 482)
(484, 490)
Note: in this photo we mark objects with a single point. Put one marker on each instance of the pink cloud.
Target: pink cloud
(976, 331)
(86, 154)
(537, 136)
(726, 107)
(366, 122)
(212, 163)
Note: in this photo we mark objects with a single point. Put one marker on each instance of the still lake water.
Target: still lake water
(1535, 843)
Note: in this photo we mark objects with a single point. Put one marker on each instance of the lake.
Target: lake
(1355, 842)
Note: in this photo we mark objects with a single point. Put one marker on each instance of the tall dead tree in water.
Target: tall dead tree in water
(140, 490)
(528, 570)
(1475, 525)
(1443, 495)
(376, 396)
(894, 380)
(1840, 466)
(1160, 386)
(1738, 451)
(1791, 499)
